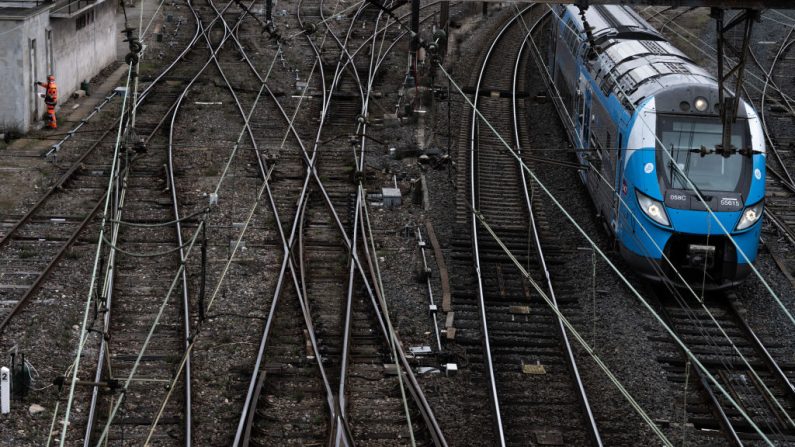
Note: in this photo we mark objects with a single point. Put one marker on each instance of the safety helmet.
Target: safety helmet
(50, 78)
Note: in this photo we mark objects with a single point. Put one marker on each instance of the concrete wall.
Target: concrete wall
(18, 104)
(73, 56)
(81, 54)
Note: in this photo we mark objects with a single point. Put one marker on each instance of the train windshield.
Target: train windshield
(691, 142)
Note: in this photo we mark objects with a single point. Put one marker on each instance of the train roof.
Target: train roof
(634, 57)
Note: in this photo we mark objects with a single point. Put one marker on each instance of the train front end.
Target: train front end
(675, 167)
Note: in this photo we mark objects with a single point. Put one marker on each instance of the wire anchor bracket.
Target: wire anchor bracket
(729, 101)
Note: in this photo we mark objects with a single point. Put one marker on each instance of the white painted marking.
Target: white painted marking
(648, 168)
(5, 390)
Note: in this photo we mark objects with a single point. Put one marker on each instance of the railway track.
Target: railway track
(777, 110)
(523, 353)
(321, 357)
(765, 393)
(32, 246)
(65, 215)
(143, 335)
(716, 332)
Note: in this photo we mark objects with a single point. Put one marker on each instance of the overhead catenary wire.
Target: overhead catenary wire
(179, 272)
(361, 130)
(548, 79)
(263, 81)
(95, 269)
(623, 278)
(74, 367)
(692, 187)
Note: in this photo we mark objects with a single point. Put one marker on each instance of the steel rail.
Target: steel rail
(378, 300)
(58, 185)
(785, 44)
(474, 199)
(287, 262)
(673, 335)
(359, 207)
(593, 429)
(307, 317)
(424, 406)
(266, 184)
(416, 392)
(789, 233)
(340, 437)
(175, 203)
(771, 363)
(109, 287)
(108, 294)
(715, 405)
(171, 112)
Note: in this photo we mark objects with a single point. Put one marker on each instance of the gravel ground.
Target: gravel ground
(622, 332)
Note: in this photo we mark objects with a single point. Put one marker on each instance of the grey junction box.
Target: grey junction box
(391, 197)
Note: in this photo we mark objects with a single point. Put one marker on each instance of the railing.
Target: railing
(24, 3)
(76, 5)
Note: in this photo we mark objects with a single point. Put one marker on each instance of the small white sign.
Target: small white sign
(5, 390)
(758, 174)
(648, 168)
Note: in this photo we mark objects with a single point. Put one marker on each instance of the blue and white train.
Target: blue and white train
(646, 119)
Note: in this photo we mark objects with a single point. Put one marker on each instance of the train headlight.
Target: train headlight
(750, 216)
(652, 208)
(701, 104)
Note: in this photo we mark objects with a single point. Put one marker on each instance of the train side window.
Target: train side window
(608, 145)
(608, 82)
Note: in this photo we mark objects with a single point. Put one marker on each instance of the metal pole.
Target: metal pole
(723, 100)
(444, 22)
(415, 25)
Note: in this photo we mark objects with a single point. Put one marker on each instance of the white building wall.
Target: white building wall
(74, 56)
(81, 54)
(19, 105)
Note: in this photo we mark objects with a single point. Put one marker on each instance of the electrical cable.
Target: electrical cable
(189, 348)
(673, 291)
(92, 282)
(691, 186)
(159, 224)
(84, 333)
(643, 301)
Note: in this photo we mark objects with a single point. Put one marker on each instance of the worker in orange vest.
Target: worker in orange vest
(50, 99)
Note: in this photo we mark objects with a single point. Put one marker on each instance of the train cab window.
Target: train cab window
(684, 136)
